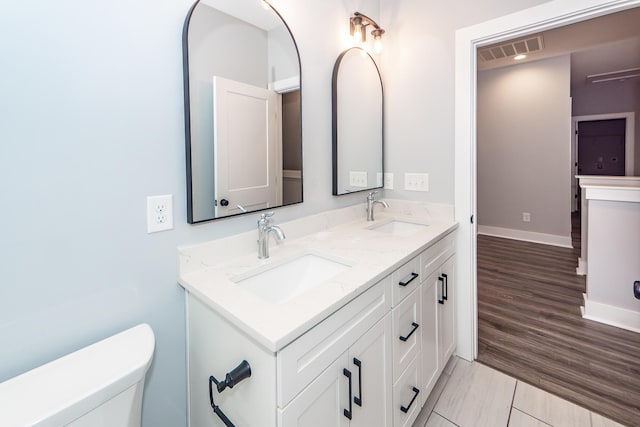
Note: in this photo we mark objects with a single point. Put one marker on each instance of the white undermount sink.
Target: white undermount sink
(398, 227)
(282, 282)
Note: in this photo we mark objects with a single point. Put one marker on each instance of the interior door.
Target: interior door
(246, 132)
(601, 147)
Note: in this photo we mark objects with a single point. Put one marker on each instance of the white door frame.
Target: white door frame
(546, 16)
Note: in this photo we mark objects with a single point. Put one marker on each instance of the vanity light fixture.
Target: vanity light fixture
(358, 29)
(519, 57)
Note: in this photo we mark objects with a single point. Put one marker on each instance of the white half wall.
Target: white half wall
(524, 147)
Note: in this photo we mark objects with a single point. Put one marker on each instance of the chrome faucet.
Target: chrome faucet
(371, 203)
(263, 234)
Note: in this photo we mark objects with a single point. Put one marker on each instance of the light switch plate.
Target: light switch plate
(388, 181)
(358, 179)
(159, 213)
(416, 181)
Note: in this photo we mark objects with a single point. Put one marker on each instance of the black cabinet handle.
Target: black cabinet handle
(446, 286)
(406, 409)
(347, 373)
(413, 276)
(358, 399)
(415, 326)
(441, 300)
(636, 289)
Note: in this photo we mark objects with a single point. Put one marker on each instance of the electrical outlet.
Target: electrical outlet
(416, 181)
(159, 213)
(358, 179)
(388, 181)
(526, 217)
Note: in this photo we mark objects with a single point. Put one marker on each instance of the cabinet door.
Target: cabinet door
(323, 402)
(370, 364)
(429, 328)
(406, 333)
(446, 312)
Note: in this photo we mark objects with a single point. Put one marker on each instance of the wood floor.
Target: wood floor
(530, 327)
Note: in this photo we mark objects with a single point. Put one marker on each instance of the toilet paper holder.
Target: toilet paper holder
(233, 377)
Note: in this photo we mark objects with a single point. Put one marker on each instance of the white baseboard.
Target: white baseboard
(581, 269)
(611, 315)
(527, 236)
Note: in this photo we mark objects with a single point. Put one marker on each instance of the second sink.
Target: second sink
(282, 282)
(399, 228)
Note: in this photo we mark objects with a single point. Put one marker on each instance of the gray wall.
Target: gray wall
(613, 97)
(524, 143)
(92, 123)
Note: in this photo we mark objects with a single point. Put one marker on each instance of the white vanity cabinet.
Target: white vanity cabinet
(372, 362)
(437, 298)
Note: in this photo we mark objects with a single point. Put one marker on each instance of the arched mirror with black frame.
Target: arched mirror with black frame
(242, 92)
(358, 123)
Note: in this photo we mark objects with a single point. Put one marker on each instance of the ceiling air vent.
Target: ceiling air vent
(515, 47)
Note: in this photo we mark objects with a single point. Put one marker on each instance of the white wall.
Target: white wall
(418, 73)
(91, 122)
(612, 97)
(524, 143)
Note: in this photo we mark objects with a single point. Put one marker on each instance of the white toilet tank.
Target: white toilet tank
(98, 386)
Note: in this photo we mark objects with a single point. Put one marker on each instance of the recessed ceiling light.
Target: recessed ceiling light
(519, 57)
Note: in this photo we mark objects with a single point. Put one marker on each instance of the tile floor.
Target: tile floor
(474, 395)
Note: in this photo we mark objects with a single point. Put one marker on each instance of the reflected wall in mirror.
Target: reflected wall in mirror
(358, 123)
(242, 109)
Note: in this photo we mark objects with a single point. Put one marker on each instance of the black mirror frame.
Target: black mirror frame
(187, 117)
(334, 121)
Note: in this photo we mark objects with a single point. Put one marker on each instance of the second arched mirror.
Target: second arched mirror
(242, 109)
(358, 123)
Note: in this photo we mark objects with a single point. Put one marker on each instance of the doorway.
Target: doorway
(468, 40)
(600, 147)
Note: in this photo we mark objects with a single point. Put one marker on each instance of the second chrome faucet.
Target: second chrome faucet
(263, 234)
(371, 202)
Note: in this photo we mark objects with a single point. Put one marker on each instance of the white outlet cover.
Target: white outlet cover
(159, 213)
(388, 181)
(358, 179)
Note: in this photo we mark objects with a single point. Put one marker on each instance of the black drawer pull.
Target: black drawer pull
(415, 326)
(406, 409)
(413, 276)
(347, 373)
(441, 300)
(358, 399)
(446, 286)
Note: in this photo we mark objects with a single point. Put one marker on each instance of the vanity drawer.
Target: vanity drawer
(305, 358)
(435, 255)
(407, 396)
(406, 332)
(405, 280)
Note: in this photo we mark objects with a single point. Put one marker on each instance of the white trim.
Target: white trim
(629, 143)
(611, 315)
(581, 269)
(612, 193)
(291, 174)
(527, 236)
(545, 16)
(285, 85)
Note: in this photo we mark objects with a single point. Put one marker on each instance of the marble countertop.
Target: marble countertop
(207, 270)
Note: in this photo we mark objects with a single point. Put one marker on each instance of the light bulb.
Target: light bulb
(357, 35)
(377, 45)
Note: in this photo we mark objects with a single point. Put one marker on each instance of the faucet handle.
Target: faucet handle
(264, 218)
(371, 194)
